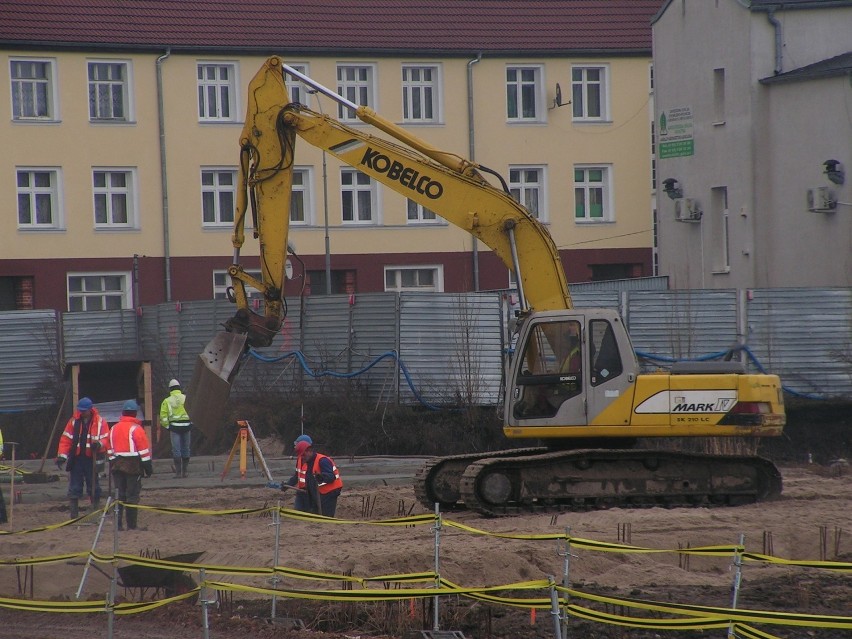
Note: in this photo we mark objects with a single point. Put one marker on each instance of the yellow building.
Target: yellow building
(121, 140)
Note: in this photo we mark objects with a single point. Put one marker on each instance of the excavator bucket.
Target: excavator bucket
(208, 391)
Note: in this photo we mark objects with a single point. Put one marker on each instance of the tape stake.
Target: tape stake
(532, 616)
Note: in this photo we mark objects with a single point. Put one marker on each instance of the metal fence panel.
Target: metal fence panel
(681, 325)
(805, 336)
(29, 356)
(452, 347)
(97, 336)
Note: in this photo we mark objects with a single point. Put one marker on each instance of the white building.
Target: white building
(753, 104)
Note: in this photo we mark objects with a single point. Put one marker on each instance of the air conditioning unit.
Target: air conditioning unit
(821, 200)
(687, 210)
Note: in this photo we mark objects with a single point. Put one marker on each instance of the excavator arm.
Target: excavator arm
(443, 182)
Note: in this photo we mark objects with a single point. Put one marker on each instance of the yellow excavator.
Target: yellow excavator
(573, 381)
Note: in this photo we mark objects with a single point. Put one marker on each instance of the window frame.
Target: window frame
(366, 89)
(582, 101)
(217, 189)
(540, 186)
(305, 190)
(130, 193)
(518, 86)
(296, 89)
(220, 290)
(437, 269)
(607, 204)
(55, 197)
(420, 212)
(126, 83)
(202, 84)
(408, 86)
(126, 292)
(371, 187)
(51, 94)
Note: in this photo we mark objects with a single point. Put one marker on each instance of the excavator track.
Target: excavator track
(601, 478)
(437, 481)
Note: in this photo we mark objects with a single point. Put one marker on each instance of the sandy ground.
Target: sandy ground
(813, 519)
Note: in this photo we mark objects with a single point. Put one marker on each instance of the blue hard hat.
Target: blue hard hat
(84, 404)
(303, 438)
(130, 405)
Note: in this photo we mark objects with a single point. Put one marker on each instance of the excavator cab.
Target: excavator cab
(568, 367)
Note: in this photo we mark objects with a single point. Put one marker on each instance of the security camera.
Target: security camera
(672, 189)
(834, 171)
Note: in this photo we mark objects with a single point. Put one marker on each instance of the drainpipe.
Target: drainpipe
(471, 145)
(779, 43)
(161, 124)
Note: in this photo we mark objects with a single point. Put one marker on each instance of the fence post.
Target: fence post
(202, 598)
(566, 567)
(276, 521)
(114, 580)
(94, 544)
(554, 607)
(738, 576)
(436, 624)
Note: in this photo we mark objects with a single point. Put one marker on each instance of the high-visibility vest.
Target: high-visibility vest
(173, 413)
(98, 431)
(128, 439)
(302, 474)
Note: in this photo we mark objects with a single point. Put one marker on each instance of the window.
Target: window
(603, 352)
(526, 184)
(718, 231)
(342, 281)
(297, 91)
(588, 93)
(114, 198)
(98, 291)
(592, 194)
(417, 213)
(414, 278)
(108, 91)
(523, 93)
(32, 90)
(218, 196)
(355, 83)
(718, 96)
(420, 93)
(358, 193)
(216, 91)
(301, 203)
(222, 282)
(38, 199)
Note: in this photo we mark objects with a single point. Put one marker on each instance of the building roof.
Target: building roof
(449, 27)
(838, 65)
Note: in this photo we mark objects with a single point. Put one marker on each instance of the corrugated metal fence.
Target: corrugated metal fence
(435, 348)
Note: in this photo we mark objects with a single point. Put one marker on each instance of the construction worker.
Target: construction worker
(83, 439)
(130, 458)
(174, 418)
(317, 479)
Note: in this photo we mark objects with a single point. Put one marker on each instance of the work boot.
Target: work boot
(177, 462)
(119, 515)
(184, 466)
(73, 508)
(131, 514)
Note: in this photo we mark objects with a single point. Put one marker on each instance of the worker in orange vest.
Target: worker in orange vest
(83, 439)
(130, 458)
(317, 479)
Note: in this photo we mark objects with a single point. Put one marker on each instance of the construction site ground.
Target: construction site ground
(812, 520)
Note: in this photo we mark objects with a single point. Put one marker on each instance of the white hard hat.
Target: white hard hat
(174, 384)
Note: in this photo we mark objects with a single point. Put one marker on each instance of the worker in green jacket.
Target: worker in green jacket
(174, 418)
